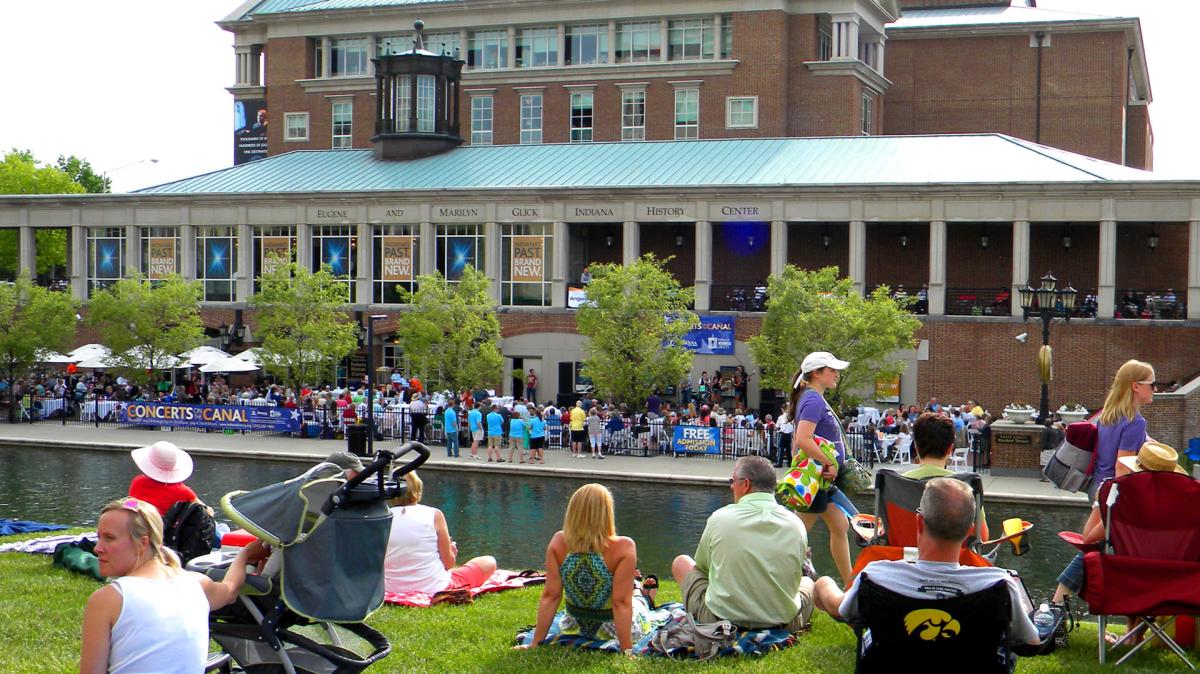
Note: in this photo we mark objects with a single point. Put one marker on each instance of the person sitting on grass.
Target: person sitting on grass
(421, 555)
(153, 617)
(933, 439)
(595, 568)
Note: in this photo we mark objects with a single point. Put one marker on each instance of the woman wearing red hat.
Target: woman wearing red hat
(164, 468)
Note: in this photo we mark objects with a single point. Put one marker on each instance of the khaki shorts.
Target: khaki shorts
(477, 435)
(695, 589)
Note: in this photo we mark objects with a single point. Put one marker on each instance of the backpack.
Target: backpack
(189, 530)
(682, 636)
(1073, 463)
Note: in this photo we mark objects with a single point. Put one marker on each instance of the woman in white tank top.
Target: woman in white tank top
(154, 616)
(421, 554)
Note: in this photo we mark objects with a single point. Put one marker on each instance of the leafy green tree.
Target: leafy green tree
(20, 174)
(452, 334)
(81, 172)
(32, 319)
(147, 323)
(634, 319)
(817, 311)
(303, 324)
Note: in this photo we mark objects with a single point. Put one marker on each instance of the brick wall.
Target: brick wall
(969, 265)
(1174, 418)
(806, 250)
(888, 262)
(1139, 138)
(734, 261)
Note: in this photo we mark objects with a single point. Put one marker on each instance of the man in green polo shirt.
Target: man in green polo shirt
(749, 563)
(933, 438)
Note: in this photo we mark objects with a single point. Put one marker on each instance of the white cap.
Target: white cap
(819, 359)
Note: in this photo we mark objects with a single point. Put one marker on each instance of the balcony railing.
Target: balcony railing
(738, 298)
(918, 300)
(978, 302)
(1151, 304)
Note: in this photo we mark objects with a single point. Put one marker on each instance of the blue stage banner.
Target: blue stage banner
(714, 336)
(696, 440)
(217, 417)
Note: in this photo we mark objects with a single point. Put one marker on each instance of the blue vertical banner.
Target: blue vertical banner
(218, 258)
(714, 336)
(108, 258)
(336, 253)
(460, 252)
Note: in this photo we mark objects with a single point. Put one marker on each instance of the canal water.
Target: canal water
(509, 516)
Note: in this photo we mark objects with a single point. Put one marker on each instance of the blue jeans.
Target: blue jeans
(451, 443)
(1072, 577)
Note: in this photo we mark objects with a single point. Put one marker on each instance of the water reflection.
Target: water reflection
(510, 516)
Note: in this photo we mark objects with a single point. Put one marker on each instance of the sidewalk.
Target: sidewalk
(558, 462)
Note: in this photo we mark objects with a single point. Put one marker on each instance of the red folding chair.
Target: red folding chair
(1149, 563)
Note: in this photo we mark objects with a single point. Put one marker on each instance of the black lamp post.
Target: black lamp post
(1047, 303)
(371, 382)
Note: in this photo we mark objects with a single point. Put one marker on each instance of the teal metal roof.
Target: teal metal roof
(861, 160)
(296, 6)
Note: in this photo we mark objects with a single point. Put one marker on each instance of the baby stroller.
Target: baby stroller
(329, 537)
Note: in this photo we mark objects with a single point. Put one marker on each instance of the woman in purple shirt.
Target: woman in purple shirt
(813, 416)
(1121, 429)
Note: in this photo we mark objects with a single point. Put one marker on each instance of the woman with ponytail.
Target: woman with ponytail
(153, 616)
(812, 416)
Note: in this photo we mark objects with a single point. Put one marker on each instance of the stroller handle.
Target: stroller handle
(383, 458)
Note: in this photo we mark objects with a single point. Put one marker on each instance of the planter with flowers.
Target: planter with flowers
(1019, 412)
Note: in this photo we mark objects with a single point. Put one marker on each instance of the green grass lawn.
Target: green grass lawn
(41, 609)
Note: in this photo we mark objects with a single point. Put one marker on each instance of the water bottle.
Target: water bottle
(1043, 620)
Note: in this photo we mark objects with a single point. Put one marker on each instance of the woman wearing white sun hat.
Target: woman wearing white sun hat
(164, 468)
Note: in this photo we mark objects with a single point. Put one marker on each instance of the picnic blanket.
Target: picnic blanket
(499, 581)
(749, 642)
(46, 544)
(9, 527)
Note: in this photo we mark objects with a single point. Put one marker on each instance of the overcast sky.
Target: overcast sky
(125, 81)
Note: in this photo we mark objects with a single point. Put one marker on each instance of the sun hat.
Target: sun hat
(1154, 456)
(819, 359)
(163, 461)
(345, 461)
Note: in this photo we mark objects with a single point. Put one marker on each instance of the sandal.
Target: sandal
(650, 589)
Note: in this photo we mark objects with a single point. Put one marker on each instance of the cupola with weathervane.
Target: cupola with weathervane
(417, 101)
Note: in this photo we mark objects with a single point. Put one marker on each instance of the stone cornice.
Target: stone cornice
(856, 68)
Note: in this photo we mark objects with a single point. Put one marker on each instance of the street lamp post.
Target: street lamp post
(370, 382)
(1047, 303)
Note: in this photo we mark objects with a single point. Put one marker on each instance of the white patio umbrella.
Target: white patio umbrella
(251, 356)
(229, 364)
(97, 361)
(202, 355)
(139, 357)
(54, 357)
(87, 351)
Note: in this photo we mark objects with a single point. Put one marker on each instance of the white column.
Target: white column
(79, 259)
(858, 255)
(1020, 264)
(372, 51)
(779, 246)
(562, 45)
(1193, 291)
(703, 265)
(27, 247)
(1106, 292)
(937, 267)
(133, 250)
(304, 244)
(612, 41)
(631, 242)
(244, 280)
(241, 57)
(664, 38)
(845, 36)
(512, 47)
(560, 244)
(491, 256)
(717, 30)
(427, 242)
(187, 251)
(326, 53)
(366, 270)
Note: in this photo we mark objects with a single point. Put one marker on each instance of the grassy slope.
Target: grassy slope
(41, 609)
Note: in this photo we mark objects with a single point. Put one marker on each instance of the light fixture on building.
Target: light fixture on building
(1066, 240)
(678, 239)
(904, 238)
(608, 240)
(825, 239)
(750, 241)
(984, 240)
(1152, 240)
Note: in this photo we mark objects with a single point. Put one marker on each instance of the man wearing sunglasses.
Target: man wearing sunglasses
(749, 563)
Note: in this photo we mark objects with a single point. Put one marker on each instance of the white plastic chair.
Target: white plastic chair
(904, 448)
(958, 461)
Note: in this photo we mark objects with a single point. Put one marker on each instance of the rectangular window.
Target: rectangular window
(741, 112)
(537, 47)
(581, 117)
(531, 118)
(426, 95)
(348, 56)
(639, 41)
(343, 124)
(273, 247)
(106, 257)
(690, 39)
(587, 44)
(395, 251)
(526, 257)
(392, 44)
(726, 36)
(824, 41)
(458, 247)
(488, 50)
(633, 115)
(481, 120)
(868, 114)
(216, 262)
(160, 252)
(295, 126)
(443, 43)
(336, 247)
(687, 114)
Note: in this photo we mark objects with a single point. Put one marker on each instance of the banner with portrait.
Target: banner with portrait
(276, 253)
(161, 260)
(397, 258)
(249, 130)
(528, 259)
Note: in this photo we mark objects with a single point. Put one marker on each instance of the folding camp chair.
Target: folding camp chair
(1149, 563)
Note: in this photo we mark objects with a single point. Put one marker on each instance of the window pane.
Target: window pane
(296, 126)
(488, 50)
(638, 41)
(581, 117)
(633, 115)
(690, 39)
(531, 118)
(348, 56)
(443, 43)
(481, 120)
(426, 93)
(343, 124)
(537, 47)
(587, 44)
(687, 114)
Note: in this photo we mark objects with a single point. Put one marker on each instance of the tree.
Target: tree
(452, 334)
(303, 325)
(82, 173)
(20, 174)
(32, 319)
(634, 319)
(817, 311)
(146, 323)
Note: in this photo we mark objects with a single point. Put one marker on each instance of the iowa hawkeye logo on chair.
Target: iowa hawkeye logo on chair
(930, 624)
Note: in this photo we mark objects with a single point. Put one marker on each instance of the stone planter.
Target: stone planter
(1072, 417)
(1018, 416)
